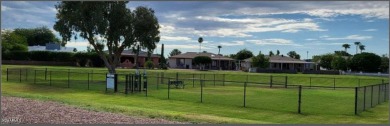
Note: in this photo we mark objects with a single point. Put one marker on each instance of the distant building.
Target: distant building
(185, 61)
(283, 63)
(127, 59)
(51, 47)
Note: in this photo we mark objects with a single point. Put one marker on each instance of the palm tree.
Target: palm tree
(200, 40)
(346, 46)
(362, 47)
(219, 62)
(357, 45)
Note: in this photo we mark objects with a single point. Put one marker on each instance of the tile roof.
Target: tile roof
(280, 59)
(191, 55)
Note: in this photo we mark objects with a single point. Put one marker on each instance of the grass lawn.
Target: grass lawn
(222, 103)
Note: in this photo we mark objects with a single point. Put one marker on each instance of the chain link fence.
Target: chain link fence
(268, 92)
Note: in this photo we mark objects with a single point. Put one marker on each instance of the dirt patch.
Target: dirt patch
(16, 110)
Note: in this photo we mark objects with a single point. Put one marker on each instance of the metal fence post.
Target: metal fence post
(310, 83)
(20, 75)
(245, 94)
(372, 92)
(169, 85)
(379, 92)
(193, 80)
(285, 82)
(334, 83)
(299, 99)
(356, 99)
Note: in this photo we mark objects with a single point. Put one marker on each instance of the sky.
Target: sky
(309, 28)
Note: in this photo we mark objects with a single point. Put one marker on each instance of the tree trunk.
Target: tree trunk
(136, 57)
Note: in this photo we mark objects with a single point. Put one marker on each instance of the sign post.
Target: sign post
(111, 82)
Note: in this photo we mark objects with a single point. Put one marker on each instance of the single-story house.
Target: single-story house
(185, 61)
(127, 59)
(283, 63)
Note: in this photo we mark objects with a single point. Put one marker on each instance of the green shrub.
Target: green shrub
(81, 58)
(41, 56)
(149, 64)
(62, 56)
(16, 55)
(95, 59)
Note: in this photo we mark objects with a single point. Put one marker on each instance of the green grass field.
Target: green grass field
(222, 103)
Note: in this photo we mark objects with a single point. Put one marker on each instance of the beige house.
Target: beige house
(282, 63)
(185, 61)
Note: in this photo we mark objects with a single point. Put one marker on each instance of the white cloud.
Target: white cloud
(325, 43)
(175, 38)
(5, 8)
(366, 9)
(182, 46)
(370, 30)
(273, 41)
(310, 39)
(235, 43)
(350, 37)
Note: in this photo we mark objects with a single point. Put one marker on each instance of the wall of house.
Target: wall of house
(189, 63)
(172, 63)
(155, 61)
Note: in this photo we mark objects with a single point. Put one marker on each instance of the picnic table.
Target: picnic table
(178, 83)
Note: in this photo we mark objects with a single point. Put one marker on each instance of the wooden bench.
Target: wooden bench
(178, 84)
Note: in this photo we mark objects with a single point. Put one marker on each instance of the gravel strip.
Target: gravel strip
(16, 110)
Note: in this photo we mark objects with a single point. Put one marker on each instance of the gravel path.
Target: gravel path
(16, 110)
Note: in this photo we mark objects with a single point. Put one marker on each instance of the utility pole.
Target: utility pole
(307, 54)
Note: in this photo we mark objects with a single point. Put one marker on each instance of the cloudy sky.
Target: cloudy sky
(316, 27)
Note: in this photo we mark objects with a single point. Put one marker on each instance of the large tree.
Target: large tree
(362, 47)
(38, 36)
(175, 52)
(10, 41)
(271, 53)
(202, 61)
(357, 45)
(146, 31)
(384, 63)
(243, 54)
(368, 62)
(260, 61)
(110, 20)
(339, 63)
(326, 61)
(346, 46)
(294, 55)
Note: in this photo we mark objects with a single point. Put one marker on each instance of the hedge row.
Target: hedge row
(82, 58)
